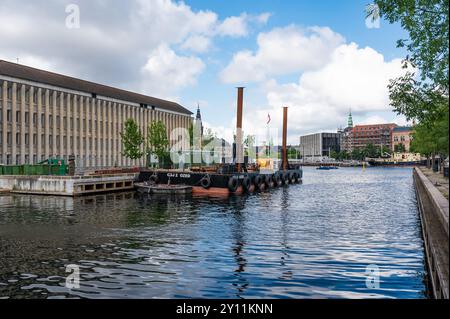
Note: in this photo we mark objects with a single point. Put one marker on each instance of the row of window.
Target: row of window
(402, 138)
(89, 141)
(65, 123)
(52, 95)
(18, 119)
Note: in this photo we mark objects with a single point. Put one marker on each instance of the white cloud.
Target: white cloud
(234, 26)
(238, 26)
(352, 77)
(197, 43)
(374, 119)
(263, 18)
(165, 69)
(287, 50)
(113, 42)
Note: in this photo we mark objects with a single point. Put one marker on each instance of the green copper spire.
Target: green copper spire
(350, 119)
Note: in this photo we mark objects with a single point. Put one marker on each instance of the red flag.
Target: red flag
(268, 118)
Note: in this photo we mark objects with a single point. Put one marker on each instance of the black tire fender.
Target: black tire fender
(205, 182)
(246, 183)
(233, 184)
(276, 179)
(291, 177)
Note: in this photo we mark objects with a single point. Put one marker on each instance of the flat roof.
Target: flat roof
(36, 75)
(403, 129)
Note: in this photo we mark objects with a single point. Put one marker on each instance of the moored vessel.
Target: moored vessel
(237, 177)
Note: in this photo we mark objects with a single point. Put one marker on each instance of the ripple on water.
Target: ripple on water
(313, 240)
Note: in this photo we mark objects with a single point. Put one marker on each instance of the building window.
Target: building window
(18, 138)
(34, 139)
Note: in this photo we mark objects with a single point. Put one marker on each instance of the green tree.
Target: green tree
(431, 140)
(399, 148)
(157, 142)
(422, 96)
(371, 151)
(357, 154)
(335, 155)
(344, 155)
(292, 153)
(384, 151)
(132, 140)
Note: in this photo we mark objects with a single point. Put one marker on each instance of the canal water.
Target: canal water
(347, 233)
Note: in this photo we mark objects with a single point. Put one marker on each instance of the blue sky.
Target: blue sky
(317, 57)
(346, 17)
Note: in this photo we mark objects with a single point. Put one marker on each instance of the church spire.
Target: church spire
(198, 119)
(199, 116)
(350, 119)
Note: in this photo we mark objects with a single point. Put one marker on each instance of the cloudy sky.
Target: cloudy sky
(317, 57)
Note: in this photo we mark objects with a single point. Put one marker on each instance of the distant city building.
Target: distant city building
(347, 135)
(402, 135)
(317, 146)
(375, 134)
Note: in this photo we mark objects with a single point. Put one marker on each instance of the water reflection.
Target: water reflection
(312, 240)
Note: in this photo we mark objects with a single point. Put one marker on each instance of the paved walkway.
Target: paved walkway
(437, 179)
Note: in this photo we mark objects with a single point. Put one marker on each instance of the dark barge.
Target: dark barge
(215, 183)
(236, 178)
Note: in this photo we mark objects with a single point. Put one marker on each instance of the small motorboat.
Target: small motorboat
(152, 188)
(327, 167)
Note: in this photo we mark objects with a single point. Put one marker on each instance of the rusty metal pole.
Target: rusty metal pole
(239, 148)
(285, 112)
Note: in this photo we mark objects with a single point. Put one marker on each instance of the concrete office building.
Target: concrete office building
(48, 115)
(315, 147)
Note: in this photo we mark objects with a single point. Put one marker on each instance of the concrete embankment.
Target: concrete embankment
(67, 185)
(433, 207)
